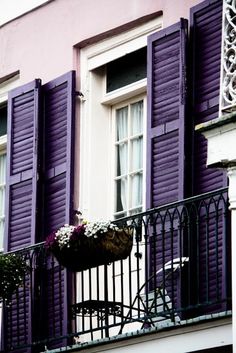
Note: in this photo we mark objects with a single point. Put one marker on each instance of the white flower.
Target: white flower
(63, 235)
(94, 228)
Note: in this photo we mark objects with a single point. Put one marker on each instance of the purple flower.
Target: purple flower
(50, 241)
(78, 232)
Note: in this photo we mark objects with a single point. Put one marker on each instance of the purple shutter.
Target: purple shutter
(58, 174)
(21, 198)
(206, 29)
(165, 142)
(22, 165)
(59, 142)
(166, 115)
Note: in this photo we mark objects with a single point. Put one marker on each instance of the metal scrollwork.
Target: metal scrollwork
(229, 54)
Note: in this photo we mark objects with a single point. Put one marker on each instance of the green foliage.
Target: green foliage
(13, 269)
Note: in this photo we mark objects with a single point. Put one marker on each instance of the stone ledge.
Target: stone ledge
(220, 121)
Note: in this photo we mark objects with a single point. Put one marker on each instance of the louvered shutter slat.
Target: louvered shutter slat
(58, 190)
(165, 141)
(206, 27)
(59, 118)
(21, 198)
(22, 163)
(166, 114)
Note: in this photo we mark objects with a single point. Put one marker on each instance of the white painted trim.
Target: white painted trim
(117, 46)
(3, 144)
(184, 339)
(122, 103)
(221, 145)
(125, 92)
(95, 113)
(7, 86)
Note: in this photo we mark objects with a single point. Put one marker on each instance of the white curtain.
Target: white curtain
(122, 123)
(137, 190)
(137, 118)
(2, 196)
(137, 154)
(136, 179)
(122, 155)
(135, 163)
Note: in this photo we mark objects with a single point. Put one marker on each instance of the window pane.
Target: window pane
(129, 159)
(122, 159)
(121, 123)
(135, 211)
(127, 69)
(3, 120)
(121, 192)
(137, 154)
(2, 195)
(136, 190)
(2, 183)
(120, 215)
(137, 118)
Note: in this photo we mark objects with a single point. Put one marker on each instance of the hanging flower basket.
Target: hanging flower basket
(90, 245)
(13, 269)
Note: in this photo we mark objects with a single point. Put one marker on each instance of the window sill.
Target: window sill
(125, 92)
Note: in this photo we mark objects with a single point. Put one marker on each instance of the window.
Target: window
(3, 139)
(10, 82)
(112, 138)
(113, 82)
(128, 119)
(126, 70)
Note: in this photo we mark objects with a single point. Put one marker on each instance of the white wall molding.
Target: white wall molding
(189, 338)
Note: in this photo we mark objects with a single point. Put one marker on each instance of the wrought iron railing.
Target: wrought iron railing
(179, 268)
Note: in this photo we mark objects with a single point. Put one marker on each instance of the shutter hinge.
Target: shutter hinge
(80, 95)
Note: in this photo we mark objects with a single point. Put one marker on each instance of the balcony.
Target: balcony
(179, 269)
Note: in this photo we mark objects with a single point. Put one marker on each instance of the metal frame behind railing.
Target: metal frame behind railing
(147, 289)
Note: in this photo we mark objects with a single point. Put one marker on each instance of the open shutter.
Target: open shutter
(22, 164)
(59, 142)
(209, 244)
(165, 141)
(58, 177)
(166, 115)
(206, 28)
(21, 198)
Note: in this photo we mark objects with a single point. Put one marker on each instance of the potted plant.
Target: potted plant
(89, 245)
(13, 269)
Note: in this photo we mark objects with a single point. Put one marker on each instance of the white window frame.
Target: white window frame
(3, 150)
(96, 172)
(95, 161)
(5, 87)
(114, 108)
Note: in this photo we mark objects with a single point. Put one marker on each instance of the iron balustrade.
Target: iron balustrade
(179, 268)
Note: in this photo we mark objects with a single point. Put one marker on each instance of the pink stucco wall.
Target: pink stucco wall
(40, 43)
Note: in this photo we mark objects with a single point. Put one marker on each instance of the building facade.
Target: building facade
(99, 103)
